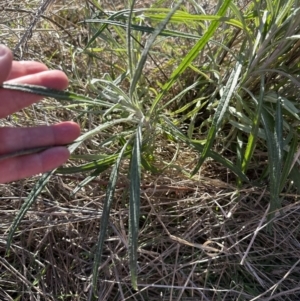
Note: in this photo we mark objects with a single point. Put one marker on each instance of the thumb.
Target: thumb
(5, 62)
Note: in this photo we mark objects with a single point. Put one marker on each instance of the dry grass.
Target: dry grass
(199, 239)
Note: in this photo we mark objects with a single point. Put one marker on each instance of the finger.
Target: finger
(21, 167)
(15, 139)
(23, 68)
(12, 101)
(54, 79)
(5, 62)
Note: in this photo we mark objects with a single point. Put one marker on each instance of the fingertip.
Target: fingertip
(63, 80)
(54, 157)
(75, 129)
(6, 58)
(66, 131)
(53, 79)
(49, 159)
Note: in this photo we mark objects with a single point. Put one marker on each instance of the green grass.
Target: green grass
(137, 209)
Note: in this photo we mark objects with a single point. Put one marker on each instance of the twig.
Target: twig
(28, 32)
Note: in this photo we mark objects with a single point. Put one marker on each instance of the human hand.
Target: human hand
(15, 139)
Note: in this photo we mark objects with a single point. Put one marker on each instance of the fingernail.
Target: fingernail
(3, 50)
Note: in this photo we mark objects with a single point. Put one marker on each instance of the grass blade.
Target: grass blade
(101, 164)
(254, 129)
(26, 205)
(193, 53)
(142, 61)
(147, 29)
(288, 161)
(272, 131)
(57, 94)
(134, 205)
(225, 162)
(198, 145)
(129, 38)
(105, 216)
(103, 27)
(88, 179)
(219, 114)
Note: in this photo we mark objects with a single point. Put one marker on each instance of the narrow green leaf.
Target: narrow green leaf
(37, 189)
(134, 205)
(193, 53)
(57, 94)
(220, 112)
(279, 134)
(111, 187)
(254, 129)
(130, 50)
(96, 131)
(178, 135)
(103, 27)
(239, 151)
(101, 164)
(187, 18)
(88, 179)
(289, 157)
(283, 11)
(148, 29)
(225, 162)
(295, 177)
(144, 55)
(273, 157)
(148, 166)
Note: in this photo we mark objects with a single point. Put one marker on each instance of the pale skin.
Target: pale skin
(15, 139)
